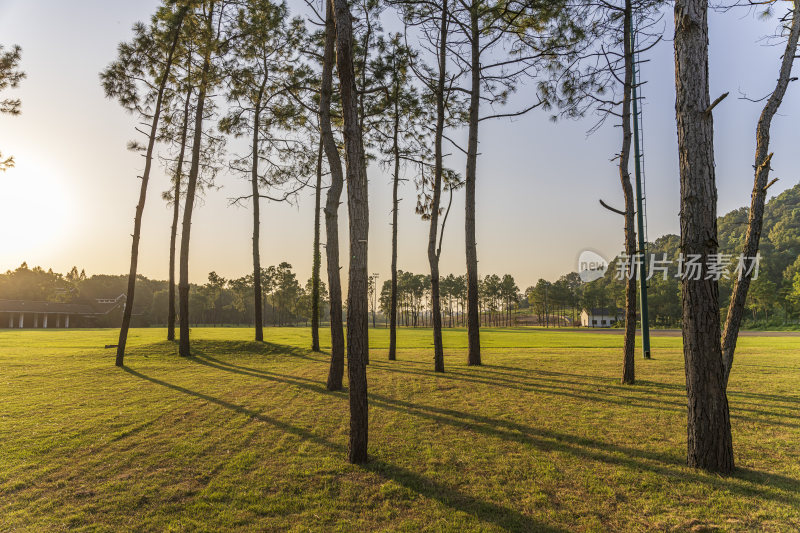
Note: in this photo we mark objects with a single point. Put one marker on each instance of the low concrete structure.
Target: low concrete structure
(18, 314)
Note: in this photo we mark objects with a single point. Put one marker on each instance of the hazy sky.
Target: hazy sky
(71, 199)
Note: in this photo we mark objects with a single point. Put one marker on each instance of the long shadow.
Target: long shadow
(508, 519)
(601, 451)
(268, 348)
(314, 386)
(625, 401)
(499, 515)
(549, 440)
(655, 403)
(680, 389)
(522, 372)
(303, 383)
(758, 396)
(491, 378)
(304, 433)
(208, 360)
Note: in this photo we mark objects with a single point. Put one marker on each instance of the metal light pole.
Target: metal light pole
(374, 297)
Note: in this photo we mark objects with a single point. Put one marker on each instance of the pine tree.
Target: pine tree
(358, 209)
(336, 371)
(266, 51)
(205, 33)
(120, 81)
(709, 441)
(761, 183)
(10, 78)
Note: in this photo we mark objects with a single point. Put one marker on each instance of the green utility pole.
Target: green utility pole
(640, 212)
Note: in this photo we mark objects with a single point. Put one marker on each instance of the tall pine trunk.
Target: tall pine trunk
(358, 210)
(433, 254)
(257, 288)
(473, 313)
(336, 372)
(176, 211)
(709, 442)
(137, 223)
(759, 196)
(395, 209)
(629, 344)
(317, 258)
(191, 189)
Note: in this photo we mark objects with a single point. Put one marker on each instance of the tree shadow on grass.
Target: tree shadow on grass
(547, 384)
(681, 389)
(541, 387)
(499, 515)
(508, 519)
(758, 396)
(508, 374)
(671, 467)
(303, 383)
(579, 391)
(642, 386)
(748, 482)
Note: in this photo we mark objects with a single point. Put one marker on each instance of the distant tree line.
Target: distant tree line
(773, 299)
(218, 302)
(498, 298)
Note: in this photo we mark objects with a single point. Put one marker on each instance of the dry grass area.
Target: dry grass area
(244, 436)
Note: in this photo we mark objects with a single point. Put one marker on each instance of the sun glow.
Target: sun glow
(36, 212)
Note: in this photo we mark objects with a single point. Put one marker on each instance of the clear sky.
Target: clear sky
(71, 199)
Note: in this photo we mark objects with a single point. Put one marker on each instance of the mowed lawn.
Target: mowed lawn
(244, 436)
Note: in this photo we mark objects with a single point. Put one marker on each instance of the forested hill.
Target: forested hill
(774, 298)
(775, 295)
(780, 242)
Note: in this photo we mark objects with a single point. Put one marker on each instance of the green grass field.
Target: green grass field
(245, 436)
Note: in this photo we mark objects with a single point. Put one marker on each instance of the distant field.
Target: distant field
(245, 436)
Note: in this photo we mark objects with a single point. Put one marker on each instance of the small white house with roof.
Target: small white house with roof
(601, 317)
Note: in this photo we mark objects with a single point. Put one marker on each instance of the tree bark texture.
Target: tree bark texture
(358, 210)
(709, 442)
(336, 372)
(395, 209)
(473, 296)
(176, 211)
(317, 258)
(629, 344)
(433, 255)
(257, 289)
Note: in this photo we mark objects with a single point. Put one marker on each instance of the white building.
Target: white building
(600, 317)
